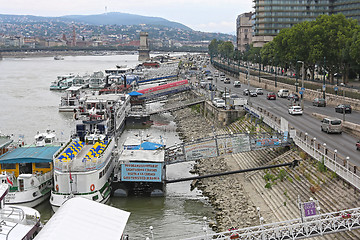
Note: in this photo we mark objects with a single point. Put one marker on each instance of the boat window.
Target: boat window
(47, 140)
(8, 166)
(96, 197)
(42, 165)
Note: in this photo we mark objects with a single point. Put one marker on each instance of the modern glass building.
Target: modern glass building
(273, 15)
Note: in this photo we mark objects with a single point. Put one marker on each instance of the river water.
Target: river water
(28, 106)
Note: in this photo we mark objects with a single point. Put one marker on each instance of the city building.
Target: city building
(244, 30)
(273, 15)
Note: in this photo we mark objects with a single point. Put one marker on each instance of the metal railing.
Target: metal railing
(300, 228)
(332, 160)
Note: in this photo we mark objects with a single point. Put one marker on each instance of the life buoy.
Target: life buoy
(57, 187)
(92, 187)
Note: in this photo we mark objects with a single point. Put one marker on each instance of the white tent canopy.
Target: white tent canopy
(80, 218)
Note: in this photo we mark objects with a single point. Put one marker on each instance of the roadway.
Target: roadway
(344, 143)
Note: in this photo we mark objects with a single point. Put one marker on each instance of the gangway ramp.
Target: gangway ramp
(224, 144)
(301, 228)
(178, 105)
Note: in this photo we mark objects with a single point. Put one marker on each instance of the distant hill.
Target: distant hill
(124, 19)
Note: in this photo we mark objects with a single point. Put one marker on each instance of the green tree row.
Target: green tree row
(330, 43)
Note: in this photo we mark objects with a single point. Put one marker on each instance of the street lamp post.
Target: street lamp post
(296, 76)
(259, 66)
(302, 84)
(324, 86)
(248, 79)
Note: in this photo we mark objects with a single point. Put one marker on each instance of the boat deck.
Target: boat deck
(79, 156)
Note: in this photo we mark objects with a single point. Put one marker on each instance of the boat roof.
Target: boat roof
(29, 154)
(5, 141)
(81, 218)
(142, 155)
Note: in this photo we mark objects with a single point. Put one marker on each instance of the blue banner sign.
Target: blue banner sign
(141, 172)
(267, 142)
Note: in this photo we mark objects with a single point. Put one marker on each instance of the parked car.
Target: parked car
(283, 93)
(220, 103)
(252, 93)
(319, 102)
(295, 110)
(259, 91)
(343, 107)
(227, 80)
(331, 125)
(358, 145)
(237, 84)
(271, 96)
(293, 97)
(246, 92)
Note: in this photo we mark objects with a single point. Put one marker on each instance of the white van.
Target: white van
(331, 125)
(283, 93)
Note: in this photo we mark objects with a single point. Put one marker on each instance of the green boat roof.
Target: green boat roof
(29, 155)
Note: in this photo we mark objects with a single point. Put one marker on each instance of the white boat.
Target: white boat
(97, 80)
(45, 138)
(84, 166)
(81, 81)
(80, 218)
(140, 168)
(17, 222)
(70, 101)
(58, 57)
(63, 82)
(28, 172)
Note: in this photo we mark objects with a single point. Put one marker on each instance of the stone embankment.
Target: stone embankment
(236, 198)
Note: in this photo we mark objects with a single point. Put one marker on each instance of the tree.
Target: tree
(214, 47)
(226, 49)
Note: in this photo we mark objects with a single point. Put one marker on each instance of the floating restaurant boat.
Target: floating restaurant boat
(63, 82)
(28, 171)
(17, 222)
(140, 168)
(84, 166)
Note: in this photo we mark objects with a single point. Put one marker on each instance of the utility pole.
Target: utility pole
(296, 75)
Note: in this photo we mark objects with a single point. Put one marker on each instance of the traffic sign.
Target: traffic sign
(301, 92)
(336, 89)
(302, 89)
(324, 87)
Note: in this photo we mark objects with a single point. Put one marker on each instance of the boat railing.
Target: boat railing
(17, 215)
(44, 177)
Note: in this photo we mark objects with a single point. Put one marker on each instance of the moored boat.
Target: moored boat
(63, 82)
(97, 80)
(28, 172)
(17, 222)
(70, 101)
(140, 169)
(84, 166)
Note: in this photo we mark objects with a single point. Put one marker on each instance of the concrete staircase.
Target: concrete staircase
(282, 198)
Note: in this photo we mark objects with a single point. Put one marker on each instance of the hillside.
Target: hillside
(124, 19)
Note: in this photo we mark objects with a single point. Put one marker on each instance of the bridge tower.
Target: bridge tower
(144, 51)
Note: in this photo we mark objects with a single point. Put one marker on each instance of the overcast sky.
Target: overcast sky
(200, 15)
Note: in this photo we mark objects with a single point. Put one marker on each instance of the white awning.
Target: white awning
(81, 218)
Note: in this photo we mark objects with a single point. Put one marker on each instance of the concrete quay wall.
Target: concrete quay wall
(218, 116)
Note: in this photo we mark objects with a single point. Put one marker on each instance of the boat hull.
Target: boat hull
(26, 198)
